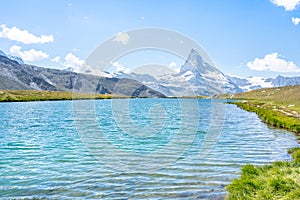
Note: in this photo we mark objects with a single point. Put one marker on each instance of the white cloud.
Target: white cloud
(289, 5)
(121, 68)
(29, 56)
(273, 62)
(56, 59)
(295, 20)
(23, 36)
(122, 37)
(172, 65)
(117, 64)
(73, 62)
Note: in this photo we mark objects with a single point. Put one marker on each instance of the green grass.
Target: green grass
(34, 95)
(283, 97)
(281, 180)
(272, 117)
(278, 107)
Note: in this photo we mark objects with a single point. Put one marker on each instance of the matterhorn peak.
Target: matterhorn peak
(193, 63)
(194, 58)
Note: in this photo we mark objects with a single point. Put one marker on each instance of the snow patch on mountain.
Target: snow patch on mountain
(261, 81)
(14, 58)
(188, 75)
(252, 82)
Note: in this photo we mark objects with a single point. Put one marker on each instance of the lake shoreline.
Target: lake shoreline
(279, 108)
(279, 180)
(272, 118)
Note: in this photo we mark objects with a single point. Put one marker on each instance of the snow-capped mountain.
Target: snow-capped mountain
(205, 79)
(14, 76)
(251, 83)
(15, 58)
(196, 77)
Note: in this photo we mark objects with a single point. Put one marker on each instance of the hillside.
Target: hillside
(279, 107)
(287, 97)
(17, 76)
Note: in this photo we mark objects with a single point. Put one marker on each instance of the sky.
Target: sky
(242, 38)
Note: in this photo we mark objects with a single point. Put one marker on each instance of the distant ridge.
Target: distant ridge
(17, 76)
(195, 78)
(15, 58)
(252, 83)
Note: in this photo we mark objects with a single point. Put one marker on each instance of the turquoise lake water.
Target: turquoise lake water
(130, 148)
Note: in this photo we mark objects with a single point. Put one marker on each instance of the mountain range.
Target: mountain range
(195, 77)
(15, 58)
(17, 76)
(251, 83)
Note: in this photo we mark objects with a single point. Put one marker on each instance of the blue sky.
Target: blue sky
(244, 38)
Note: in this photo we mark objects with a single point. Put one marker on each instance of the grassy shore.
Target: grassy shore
(281, 180)
(273, 117)
(34, 95)
(278, 107)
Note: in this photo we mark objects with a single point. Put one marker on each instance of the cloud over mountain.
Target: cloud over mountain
(30, 55)
(73, 62)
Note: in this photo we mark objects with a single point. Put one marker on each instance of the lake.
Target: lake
(130, 148)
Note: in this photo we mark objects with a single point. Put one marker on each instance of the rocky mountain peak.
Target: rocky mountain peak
(14, 58)
(197, 65)
(194, 58)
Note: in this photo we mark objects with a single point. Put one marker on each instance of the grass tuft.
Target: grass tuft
(281, 180)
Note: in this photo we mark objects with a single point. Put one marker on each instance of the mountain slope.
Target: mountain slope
(14, 75)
